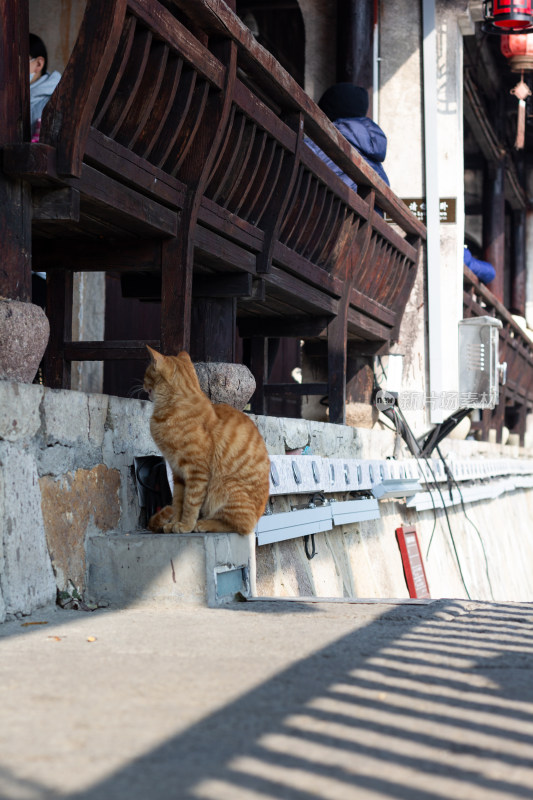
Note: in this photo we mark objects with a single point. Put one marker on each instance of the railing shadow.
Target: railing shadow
(426, 702)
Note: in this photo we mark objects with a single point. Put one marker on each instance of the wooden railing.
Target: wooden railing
(173, 153)
(516, 350)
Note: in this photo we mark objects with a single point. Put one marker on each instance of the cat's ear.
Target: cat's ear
(157, 358)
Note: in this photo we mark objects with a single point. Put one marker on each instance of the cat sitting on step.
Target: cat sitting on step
(218, 458)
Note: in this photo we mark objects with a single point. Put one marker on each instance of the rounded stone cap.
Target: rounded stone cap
(24, 333)
(233, 384)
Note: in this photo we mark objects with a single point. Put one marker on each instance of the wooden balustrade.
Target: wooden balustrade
(173, 149)
(515, 349)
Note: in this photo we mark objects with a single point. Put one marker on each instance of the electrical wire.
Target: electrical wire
(400, 428)
(425, 480)
(435, 518)
(449, 472)
(452, 538)
(403, 429)
(382, 377)
(409, 440)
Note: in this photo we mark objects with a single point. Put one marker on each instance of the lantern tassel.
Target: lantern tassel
(521, 91)
(521, 126)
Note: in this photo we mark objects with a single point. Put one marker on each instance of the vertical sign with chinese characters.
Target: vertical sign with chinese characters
(447, 209)
(415, 574)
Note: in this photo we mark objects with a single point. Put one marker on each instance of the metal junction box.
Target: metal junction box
(479, 369)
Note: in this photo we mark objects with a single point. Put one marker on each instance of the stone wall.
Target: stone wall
(66, 476)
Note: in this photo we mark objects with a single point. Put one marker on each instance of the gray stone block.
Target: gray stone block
(143, 568)
(375, 444)
(19, 410)
(130, 518)
(128, 429)
(65, 417)
(272, 432)
(295, 433)
(332, 441)
(229, 566)
(26, 580)
(56, 460)
(98, 405)
(147, 569)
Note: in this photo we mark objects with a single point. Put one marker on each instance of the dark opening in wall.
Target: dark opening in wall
(278, 25)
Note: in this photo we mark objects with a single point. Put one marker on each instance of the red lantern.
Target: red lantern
(509, 16)
(519, 51)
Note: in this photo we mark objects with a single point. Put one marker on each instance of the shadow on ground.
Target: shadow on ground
(435, 702)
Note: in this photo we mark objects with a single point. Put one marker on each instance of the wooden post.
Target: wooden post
(519, 271)
(522, 422)
(258, 368)
(498, 415)
(359, 379)
(213, 329)
(59, 311)
(176, 291)
(485, 424)
(355, 41)
(337, 368)
(15, 196)
(356, 261)
(494, 225)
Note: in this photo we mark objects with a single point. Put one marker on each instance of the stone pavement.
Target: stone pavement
(269, 700)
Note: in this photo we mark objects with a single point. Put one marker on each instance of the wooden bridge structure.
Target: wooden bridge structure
(515, 350)
(173, 153)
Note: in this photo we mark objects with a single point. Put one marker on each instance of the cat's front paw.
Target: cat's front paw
(176, 527)
(158, 520)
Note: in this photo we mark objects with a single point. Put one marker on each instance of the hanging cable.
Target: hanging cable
(452, 538)
(401, 425)
(415, 449)
(423, 449)
(449, 472)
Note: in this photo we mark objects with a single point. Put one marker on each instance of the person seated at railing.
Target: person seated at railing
(482, 269)
(42, 83)
(346, 106)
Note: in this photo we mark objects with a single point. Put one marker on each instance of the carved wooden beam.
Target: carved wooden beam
(15, 198)
(337, 329)
(50, 205)
(295, 327)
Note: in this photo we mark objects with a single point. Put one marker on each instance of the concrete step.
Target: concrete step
(187, 568)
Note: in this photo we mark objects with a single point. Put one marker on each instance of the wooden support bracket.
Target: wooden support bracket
(51, 205)
(296, 327)
(337, 329)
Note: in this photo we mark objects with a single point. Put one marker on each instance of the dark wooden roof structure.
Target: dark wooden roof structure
(496, 205)
(173, 153)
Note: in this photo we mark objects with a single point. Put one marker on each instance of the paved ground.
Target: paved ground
(265, 701)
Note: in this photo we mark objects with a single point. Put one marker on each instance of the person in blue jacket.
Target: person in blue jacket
(42, 83)
(346, 105)
(483, 269)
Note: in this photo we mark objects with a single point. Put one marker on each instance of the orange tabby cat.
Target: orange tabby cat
(218, 458)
